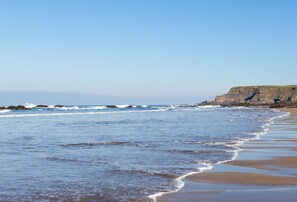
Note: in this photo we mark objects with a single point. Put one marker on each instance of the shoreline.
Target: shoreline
(292, 111)
(194, 182)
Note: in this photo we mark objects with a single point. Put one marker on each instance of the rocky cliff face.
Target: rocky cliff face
(273, 96)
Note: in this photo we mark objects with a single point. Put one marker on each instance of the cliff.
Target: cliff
(272, 96)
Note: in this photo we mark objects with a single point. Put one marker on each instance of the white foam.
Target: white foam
(240, 107)
(29, 105)
(96, 107)
(209, 106)
(179, 181)
(4, 110)
(144, 106)
(69, 108)
(172, 107)
(122, 106)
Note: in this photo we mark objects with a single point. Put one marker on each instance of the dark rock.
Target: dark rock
(277, 100)
(11, 108)
(41, 106)
(289, 99)
(59, 106)
(111, 106)
(20, 107)
(206, 102)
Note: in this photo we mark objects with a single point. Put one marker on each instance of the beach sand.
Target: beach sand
(243, 178)
(268, 164)
(293, 111)
(266, 170)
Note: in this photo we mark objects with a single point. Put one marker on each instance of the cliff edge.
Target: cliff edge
(271, 96)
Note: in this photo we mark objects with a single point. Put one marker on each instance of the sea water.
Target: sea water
(127, 153)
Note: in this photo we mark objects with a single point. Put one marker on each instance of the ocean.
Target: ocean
(95, 153)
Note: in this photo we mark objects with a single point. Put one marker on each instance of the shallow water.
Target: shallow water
(93, 153)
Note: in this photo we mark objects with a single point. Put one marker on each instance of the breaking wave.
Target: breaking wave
(5, 111)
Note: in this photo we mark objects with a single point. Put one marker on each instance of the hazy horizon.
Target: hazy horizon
(71, 98)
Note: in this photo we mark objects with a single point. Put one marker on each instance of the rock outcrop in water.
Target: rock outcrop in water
(41, 106)
(19, 107)
(271, 96)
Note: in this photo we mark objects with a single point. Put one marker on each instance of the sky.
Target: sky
(171, 50)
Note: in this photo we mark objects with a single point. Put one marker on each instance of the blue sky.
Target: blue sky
(174, 50)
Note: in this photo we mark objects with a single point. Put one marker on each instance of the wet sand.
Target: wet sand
(293, 111)
(268, 164)
(243, 178)
(266, 170)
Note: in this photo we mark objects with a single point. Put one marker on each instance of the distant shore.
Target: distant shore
(265, 170)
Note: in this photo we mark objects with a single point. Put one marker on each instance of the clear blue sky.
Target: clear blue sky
(179, 49)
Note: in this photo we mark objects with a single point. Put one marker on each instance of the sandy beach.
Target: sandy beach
(292, 111)
(266, 170)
